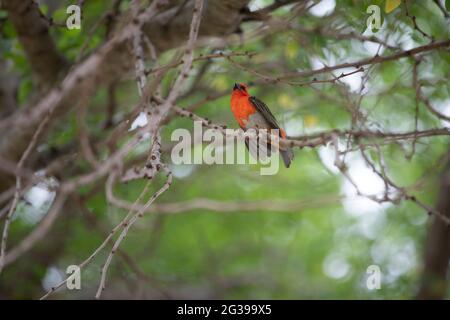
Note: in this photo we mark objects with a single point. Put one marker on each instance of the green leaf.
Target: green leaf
(391, 5)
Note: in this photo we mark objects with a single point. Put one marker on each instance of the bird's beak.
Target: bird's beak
(236, 87)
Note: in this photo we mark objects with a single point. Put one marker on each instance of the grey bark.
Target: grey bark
(437, 248)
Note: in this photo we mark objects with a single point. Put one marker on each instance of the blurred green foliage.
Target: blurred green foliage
(321, 251)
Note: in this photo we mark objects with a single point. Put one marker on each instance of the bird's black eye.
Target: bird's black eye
(240, 87)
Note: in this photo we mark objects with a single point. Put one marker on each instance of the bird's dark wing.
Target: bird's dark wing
(263, 109)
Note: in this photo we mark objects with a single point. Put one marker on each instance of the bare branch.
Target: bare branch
(374, 60)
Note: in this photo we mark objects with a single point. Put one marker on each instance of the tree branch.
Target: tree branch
(437, 248)
(111, 62)
(369, 61)
(9, 83)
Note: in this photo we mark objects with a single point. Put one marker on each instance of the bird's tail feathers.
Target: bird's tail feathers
(288, 156)
(261, 151)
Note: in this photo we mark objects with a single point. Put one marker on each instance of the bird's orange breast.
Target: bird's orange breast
(241, 108)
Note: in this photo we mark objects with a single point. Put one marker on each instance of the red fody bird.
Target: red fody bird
(252, 113)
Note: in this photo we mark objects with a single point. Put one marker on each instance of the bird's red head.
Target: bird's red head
(240, 89)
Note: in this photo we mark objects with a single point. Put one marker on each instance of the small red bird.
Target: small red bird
(251, 112)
